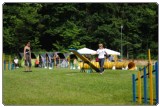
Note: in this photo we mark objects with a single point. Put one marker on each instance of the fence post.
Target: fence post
(4, 65)
(157, 83)
(139, 88)
(145, 86)
(3, 61)
(150, 83)
(149, 62)
(8, 65)
(134, 87)
(12, 66)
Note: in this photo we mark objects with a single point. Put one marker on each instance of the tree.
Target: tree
(20, 25)
(59, 26)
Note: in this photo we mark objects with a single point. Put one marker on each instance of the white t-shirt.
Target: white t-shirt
(16, 61)
(101, 53)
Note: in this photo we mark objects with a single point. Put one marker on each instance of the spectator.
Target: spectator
(36, 63)
(16, 62)
(111, 58)
(27, 57)
(56, 58)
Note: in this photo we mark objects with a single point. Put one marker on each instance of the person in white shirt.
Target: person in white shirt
(101, 56)
(16, 62)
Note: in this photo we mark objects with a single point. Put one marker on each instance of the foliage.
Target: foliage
(59, 26)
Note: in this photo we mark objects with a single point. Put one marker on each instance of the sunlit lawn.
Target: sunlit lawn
(62, 86)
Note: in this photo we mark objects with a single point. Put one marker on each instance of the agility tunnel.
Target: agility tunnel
(110, 65)
(87, 64)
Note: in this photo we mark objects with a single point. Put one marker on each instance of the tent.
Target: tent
(86, 51)
(111, 52)
(50, 55)
(89, 51)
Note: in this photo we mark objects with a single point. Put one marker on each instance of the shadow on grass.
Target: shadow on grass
(74, 73)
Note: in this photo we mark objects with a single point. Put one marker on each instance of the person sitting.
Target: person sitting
(57, 59)
(47, 60)
(16, 62)
(111, 58)
(36, 63)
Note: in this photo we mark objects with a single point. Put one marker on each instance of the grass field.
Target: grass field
(62, 86)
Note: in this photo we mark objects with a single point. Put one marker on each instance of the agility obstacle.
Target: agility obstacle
(146, 87)
(7, 64)
(89, 65)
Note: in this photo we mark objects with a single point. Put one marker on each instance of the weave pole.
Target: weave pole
(151, 78)
(139, 88)
(3, 63)
(148, 88)
(157, 83)
(145, 86)
(134, 87)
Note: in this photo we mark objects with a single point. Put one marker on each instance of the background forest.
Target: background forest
(60, 26)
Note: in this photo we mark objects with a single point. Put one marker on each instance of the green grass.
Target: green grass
(62, 86)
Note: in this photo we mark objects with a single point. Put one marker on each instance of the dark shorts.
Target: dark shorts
(28, 61)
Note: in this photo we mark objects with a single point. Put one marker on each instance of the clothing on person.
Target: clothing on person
(101, 53)
(27, 52)
(28, 60)
(111, 58)
(97, 60)
(101, 63)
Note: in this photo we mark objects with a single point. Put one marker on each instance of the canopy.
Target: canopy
(111, 52)
(86, 51)
(90, 51)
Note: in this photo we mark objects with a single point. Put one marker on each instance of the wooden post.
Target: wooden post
(139, 88)
(149, 55)
(151, 85)
(150, 78)
(149, 61)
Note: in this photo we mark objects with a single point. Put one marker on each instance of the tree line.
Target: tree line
(60, 26)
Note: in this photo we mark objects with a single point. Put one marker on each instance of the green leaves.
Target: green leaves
(59, 26)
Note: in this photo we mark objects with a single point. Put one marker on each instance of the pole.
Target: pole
(139, 88)
(121, 43)
(134, 87)
(157, 83)
(145, 86)
(151, 85)
(150, 78)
